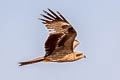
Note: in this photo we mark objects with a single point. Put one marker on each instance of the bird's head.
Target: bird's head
(79, 56)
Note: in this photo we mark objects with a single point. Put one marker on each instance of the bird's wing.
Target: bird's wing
(52, 42)
(64, 34)
(68, 39)
(58, 40)
(55, 22)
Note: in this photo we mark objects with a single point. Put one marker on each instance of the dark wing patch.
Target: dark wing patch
(68, 39)
(51, 43)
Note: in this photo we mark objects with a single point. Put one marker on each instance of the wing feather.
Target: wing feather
(46, 17)
(51, 43)
(49, 14)
(68, 39)
(57, 17)
(62, 17)
(54, 21)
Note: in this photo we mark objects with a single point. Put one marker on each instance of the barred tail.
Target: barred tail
(31, 61)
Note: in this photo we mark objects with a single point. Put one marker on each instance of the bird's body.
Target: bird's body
(64, 58)
(61, 43)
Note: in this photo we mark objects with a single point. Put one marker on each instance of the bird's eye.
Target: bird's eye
(78, 54)
(65, 26)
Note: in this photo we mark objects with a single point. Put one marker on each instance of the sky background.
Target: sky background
(22, 37)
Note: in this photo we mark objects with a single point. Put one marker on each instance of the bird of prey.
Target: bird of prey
(60, 45)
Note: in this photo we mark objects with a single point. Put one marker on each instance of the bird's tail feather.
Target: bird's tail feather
(31, 61)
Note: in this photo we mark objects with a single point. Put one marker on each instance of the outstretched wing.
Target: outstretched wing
(55, 21)
(51, 43)
(60, 40)
(64, 34)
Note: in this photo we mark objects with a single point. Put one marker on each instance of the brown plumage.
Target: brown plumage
(59, 46)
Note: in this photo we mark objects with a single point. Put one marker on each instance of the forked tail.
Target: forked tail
(31, 61)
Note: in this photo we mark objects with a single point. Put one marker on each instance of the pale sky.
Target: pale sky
(22, 37)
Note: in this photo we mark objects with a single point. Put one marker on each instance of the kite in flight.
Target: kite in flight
(60, 45)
